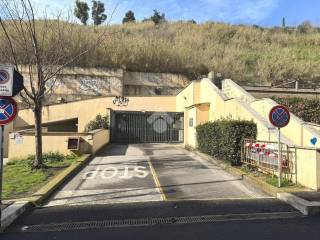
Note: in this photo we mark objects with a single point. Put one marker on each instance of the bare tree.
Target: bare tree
(45, 47)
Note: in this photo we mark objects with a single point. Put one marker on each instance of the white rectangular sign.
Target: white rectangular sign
(6, 80)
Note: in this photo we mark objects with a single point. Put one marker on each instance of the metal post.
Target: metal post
(279, 159)
(1, 168)
(297, 86)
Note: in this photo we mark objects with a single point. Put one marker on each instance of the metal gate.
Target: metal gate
(146, 127)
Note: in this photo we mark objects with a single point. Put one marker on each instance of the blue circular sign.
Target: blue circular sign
(4, 76)
(8, 110)
(279, 116)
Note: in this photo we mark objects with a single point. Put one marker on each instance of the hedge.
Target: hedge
(223, 138)
(307, 109)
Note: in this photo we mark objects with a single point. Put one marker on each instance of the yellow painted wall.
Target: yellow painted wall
(57, 142)
(99, 139)
(191, 140)
(87, 110)
(234, 102)
(202, 114)
(308, 168)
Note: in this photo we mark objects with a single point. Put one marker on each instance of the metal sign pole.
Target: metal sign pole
(279, 159)
(1, 168)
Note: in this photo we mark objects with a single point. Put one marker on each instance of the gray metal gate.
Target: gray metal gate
(146, 127)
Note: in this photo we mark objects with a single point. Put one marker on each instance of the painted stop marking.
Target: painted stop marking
(279, 116)
(8, 110)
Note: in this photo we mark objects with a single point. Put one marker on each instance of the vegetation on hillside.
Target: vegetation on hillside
(243, 53)
(307, 109)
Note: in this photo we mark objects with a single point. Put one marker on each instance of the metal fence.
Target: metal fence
(264, 156)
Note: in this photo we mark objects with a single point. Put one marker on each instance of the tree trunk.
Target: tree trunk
(38, 135)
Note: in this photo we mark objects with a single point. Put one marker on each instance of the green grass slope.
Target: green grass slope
(244, 53)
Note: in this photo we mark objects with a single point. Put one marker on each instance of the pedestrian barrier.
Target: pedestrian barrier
(263, 155)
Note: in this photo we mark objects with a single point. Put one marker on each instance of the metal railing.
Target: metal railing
(263, 155)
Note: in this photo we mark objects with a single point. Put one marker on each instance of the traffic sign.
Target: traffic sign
(279, 116)
(8, 110)
(11, 81)
(4, 76)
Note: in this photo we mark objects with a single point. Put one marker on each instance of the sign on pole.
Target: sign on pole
(6, 81)
(279, 117)
(11, 82)
(8, 110)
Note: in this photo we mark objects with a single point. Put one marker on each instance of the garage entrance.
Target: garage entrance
(146, 127)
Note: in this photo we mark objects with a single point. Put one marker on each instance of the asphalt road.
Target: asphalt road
(293, 229)
(230, 219)
(149, 172)
(160, 191)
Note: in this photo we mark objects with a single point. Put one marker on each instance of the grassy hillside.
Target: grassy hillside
(243, 53)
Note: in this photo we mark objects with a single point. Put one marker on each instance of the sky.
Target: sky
(261, 12)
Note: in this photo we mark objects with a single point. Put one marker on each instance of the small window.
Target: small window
(190, 122)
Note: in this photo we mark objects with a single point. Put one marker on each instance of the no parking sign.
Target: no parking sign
(8, 110)
(279, 117)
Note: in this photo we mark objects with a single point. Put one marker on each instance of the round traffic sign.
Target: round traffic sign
(4, 76)
(8, 110)
(279, 116)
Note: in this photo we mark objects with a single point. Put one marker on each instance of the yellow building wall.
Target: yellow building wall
(87, 110)
(191, 140)
(202, 114)
(185, 98)
(56, 142)
(235, 103)
(308, 168)
(99, 139)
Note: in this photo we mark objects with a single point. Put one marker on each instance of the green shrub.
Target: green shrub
(307, 109)
(100, 122)
(223, 138)
(250, 54)
(49, 159)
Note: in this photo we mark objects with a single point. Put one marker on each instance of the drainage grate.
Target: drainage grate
(67, 226)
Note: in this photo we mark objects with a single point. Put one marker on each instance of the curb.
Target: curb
(13, 211)
(41, 195)
(304, 206)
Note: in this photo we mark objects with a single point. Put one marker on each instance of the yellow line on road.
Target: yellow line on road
(156, 181)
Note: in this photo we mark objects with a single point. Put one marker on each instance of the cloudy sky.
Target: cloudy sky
(262, 12)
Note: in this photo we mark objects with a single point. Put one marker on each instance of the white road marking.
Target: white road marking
(123, 172)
